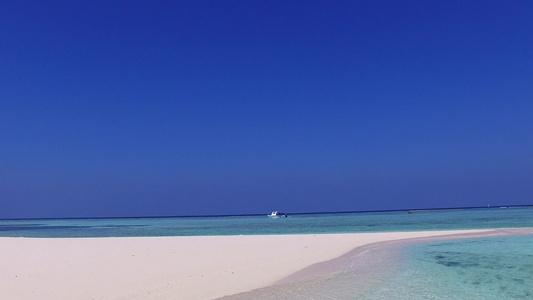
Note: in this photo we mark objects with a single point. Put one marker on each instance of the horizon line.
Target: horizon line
(289, 213)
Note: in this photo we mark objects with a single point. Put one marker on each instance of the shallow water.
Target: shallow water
(481, 268)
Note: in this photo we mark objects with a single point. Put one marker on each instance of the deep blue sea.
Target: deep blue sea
(475, 268)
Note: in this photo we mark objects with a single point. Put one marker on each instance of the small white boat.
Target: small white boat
(277, 214)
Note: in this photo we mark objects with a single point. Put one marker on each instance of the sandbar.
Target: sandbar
(192, 268)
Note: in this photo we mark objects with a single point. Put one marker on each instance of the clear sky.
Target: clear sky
(151, 108)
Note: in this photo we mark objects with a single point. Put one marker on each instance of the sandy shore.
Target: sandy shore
(169, 267)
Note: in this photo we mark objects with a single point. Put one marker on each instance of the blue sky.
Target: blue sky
(150, 108)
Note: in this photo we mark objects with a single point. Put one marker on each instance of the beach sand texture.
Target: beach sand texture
(206, 267)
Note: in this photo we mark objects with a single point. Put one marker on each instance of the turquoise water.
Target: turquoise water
(483, 268)
(249, 225)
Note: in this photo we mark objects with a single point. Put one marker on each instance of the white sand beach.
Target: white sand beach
(169, 267)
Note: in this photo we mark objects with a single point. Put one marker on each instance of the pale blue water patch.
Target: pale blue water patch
(481, 268)
(262, 225)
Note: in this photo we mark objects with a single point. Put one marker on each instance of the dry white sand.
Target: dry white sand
(167, 267)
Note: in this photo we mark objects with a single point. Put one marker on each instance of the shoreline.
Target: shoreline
(201, 267)
(337, 263)
(374, 263)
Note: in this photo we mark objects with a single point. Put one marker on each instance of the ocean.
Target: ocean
(479, 218)
(474, 268)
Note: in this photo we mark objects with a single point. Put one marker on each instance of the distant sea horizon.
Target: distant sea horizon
(500, 206)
